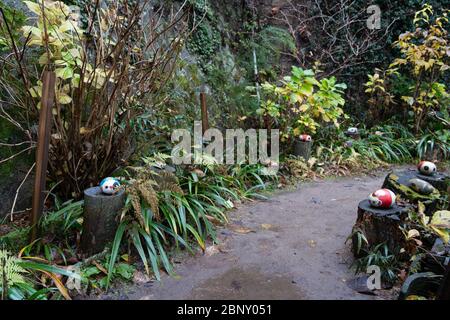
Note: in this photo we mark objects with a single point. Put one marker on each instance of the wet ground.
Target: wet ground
(291, 246)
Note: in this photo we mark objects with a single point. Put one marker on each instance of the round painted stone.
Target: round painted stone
(110, 185)
(383, 198)
(352, 130)
(421, 186)
(305, 138)
(348, 144)
(427, 168)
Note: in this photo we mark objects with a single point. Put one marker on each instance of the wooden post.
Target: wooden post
(205, 124)
(45, 119)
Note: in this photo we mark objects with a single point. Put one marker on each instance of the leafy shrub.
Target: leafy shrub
(424, 60)
(381, 257)
(164, 211)
(302, 104)
(434, 145)
(99, 92)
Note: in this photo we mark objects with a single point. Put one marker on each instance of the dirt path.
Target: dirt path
(289, 247)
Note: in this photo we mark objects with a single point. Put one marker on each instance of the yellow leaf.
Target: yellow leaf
(62, 289)
(66, 26)
(64, 99)
(414, 297)
(36, 91)
(33, 7)
(84, 130)
(413, 234)
(241, 230)
(443, 234)
(304, 107)
(266, 226)
(441, 219)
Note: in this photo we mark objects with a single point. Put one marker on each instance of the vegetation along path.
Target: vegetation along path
(291, 246)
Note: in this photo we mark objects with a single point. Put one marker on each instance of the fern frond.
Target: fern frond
(167, 181)
(10, 270)
(150, 196)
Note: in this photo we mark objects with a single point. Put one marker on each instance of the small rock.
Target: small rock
(359, 284)
(141, 277)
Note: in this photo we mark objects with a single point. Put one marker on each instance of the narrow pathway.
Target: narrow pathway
(289, 247)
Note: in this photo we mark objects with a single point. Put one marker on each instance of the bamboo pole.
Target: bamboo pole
(45, 116)
(205, 123)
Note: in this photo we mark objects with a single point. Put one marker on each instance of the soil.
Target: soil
(292, 246)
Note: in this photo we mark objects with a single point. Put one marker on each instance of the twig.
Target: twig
(15, 144)
(18, 189)
(17, 154)
(23, 72)
(86, 262)
(50, 191)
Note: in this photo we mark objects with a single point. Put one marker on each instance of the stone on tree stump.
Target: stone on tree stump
(379, 226)
(439, 180)
(399, 183)
(101, 214)
(303, 149)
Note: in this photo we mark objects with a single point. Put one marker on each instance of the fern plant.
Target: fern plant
(10, 271)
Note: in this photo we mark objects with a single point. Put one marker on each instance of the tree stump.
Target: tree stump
(100, 219)
(303, 149)
(398, 182)
(379, 226)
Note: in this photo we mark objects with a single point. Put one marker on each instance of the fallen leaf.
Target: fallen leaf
(141, 277)
(241, 230)
(312, 243)
(403, 274)
(413, 234)
(266, 226)
(441, 220)
(100, 267)
(212, 250)
(413, 297)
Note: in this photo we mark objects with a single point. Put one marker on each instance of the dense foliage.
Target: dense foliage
(124, 83)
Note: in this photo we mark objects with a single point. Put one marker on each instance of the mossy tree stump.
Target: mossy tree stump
(379, 226)
(101, 215)
(399, 183)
